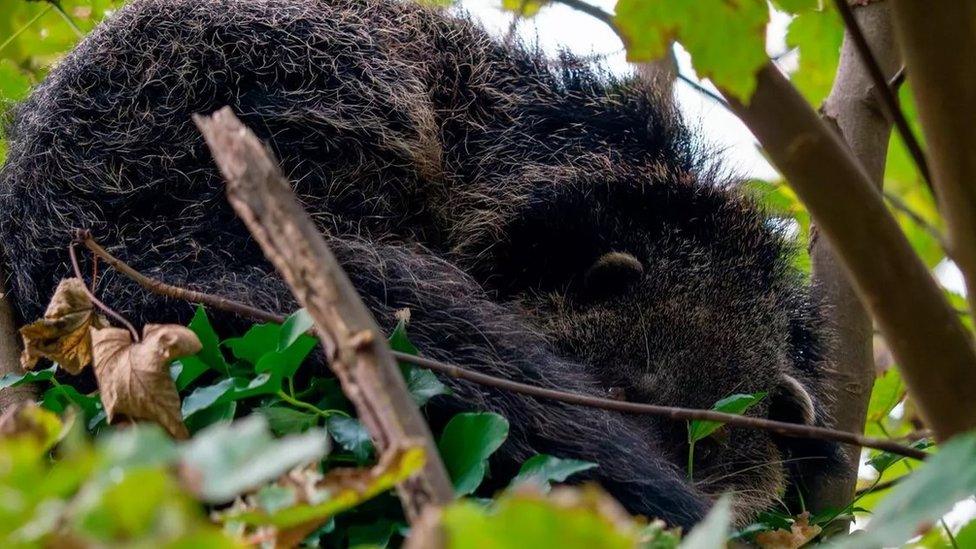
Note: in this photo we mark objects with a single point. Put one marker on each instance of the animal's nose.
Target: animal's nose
(612, 274)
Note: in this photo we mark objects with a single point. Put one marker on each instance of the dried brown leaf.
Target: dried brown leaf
(26, 419)
(63, 334)
(800, 533)
(134, 377)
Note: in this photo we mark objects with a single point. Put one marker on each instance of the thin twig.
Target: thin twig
(703, 90)
(105, 308)
(684, 414)
(897, 203)
(176, 292)
(884, 91)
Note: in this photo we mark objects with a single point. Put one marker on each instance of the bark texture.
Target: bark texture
(853, 109)
(353, 342)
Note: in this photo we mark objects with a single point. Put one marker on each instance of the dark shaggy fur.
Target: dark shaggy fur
(480, 185)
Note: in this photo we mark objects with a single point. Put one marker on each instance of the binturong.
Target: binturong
(542, 221)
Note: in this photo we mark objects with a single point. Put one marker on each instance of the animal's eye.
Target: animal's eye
(612, 274)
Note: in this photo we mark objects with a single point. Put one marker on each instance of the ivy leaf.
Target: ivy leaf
(727, 40)
(134, 377)
(255, 343)
(351, 435)
(63, 334)
(144, 445)
(465, 445)
(543, 470)
(286, 421)
(922, 497)
(186, 370)
(13, 379)
(204, 397)
(61, 397)
(421, 383)
(294, 327)
(285, 363)
(210, 354)
(225, 460)
(735, 404)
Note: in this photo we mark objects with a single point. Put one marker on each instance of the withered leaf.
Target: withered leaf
(799, 534)
(134, 378)
(63, 334)
(26, 419)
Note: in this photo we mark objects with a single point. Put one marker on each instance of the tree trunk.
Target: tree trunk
(852, 108)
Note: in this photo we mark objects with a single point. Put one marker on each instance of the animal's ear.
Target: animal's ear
(790, 401)
(612, 274)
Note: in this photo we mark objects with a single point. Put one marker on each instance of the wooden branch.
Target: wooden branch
(354, 344)
(855, 112)
(678, 414)
(888, 101)
(932, 348)
(938, 40)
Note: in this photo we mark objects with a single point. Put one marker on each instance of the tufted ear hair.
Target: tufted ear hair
(790, 401)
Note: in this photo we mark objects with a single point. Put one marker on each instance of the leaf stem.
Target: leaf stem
(310, 407)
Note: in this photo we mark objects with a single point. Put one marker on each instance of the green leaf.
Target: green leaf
(543, 470)
(714, 530)
(421, 383)
(142, 445)
(60, 397)
(351, 435)
(186, 370)
(14, 379)
(465, 445)
(285, 363)
(255, 343)
(735, 404)
(222, 412)
(888, 391)
(295, 326)
(286, 421)
(796, 6)
(881, 461)
(210, 354)
(921, 498)
(818, 35)
(578, 519)
(203, 397)
(229, 459)
(727, 40)
(399, 341)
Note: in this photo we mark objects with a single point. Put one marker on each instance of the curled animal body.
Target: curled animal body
(543, 221)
